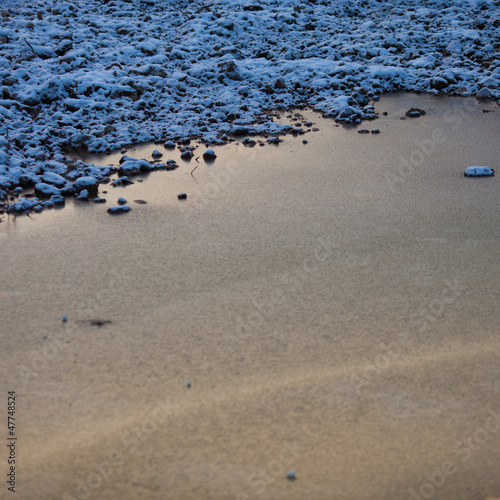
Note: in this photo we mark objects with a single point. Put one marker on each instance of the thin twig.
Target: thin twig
(29, 45)
(194, 169)
(204, 7)
(196, 159)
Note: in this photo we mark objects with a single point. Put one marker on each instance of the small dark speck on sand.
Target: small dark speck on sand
(96, 322)
(140, 202)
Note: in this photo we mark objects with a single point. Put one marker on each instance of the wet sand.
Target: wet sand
(334, 305)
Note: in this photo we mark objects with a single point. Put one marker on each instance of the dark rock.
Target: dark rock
(439, 83)
(9, 80)
(248, 142)
(209, 154)
(43, 190)
(415, 113)
(57, 199)
(280, 83)
(187, 155)
(120, 209)
(484, 94)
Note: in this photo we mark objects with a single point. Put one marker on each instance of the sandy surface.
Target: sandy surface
(334, 307)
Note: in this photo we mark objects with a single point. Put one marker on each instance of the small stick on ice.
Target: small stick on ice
(29, 45)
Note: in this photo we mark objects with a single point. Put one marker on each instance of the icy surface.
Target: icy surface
(99, 75)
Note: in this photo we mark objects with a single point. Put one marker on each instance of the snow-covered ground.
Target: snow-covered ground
(100, 74)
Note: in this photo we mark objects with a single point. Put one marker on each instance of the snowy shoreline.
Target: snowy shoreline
(102, 75)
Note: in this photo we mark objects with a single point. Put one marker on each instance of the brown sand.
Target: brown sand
(335, 309)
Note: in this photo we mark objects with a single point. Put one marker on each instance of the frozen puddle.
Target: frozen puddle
(440, 123)
(333, 305)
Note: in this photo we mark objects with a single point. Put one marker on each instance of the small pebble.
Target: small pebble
(187, 155)
(478, 171)
(248, 142)
(99, 200)
(273, 140)
(122, 201)
(188, 384)
(84, 195)
(57, 199)
(363, 131)
(119, 209)
(375, 131)
(304, 141)
(291, 474)
(182, 196)
(156, 154)
(209, 154)
(64, 318)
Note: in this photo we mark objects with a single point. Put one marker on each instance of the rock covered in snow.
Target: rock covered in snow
(415, 113)
(122, 181)
(83, 195)
(478, 171)
(57, 199)
(120, 209)
(273, 140)
(87, 183)
(187, 155)
(44, 190)
(248, 142)
(484, 94)
(209, 154)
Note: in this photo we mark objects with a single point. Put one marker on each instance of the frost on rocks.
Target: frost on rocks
(120, 209)
(209, 154)
(96, 75)
(83, 195)
(88, 184)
